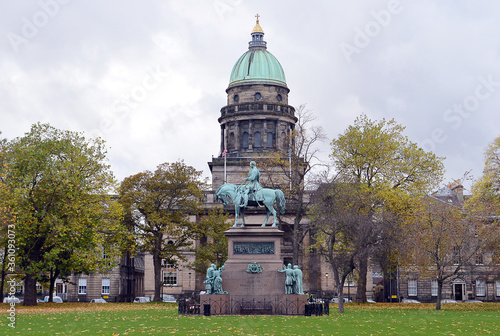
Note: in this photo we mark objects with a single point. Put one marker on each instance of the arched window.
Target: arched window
(257, 140)
(245, 140)
(269, 140)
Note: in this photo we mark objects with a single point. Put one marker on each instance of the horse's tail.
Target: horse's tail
(280, 197)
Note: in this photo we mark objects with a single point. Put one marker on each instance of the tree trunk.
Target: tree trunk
(157, 268)
(440, 291)
(4, 264)
(362, 272)
(340, 289)
(29, 291)
(52, 280)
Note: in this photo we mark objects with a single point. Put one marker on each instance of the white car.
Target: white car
(55, 299)
(168, 298)
(142, 299)
(448, 301)
(336, 300)
(409, 301)
(98, 301)
(11, 300)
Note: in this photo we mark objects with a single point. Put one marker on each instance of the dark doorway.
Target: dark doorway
(459, 292)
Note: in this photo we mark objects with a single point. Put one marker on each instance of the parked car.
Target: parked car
(55, 299)
(473, 301)
(449, 301)
(11, 300)
(168, 298)
(409, 301)
(336, 300)
(142, 299)
(98, 301)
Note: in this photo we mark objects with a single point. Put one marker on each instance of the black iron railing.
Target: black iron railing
(254, 307)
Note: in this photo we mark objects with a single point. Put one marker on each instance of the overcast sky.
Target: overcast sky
(150, 76)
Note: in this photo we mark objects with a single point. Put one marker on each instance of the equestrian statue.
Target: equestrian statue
(251, 194)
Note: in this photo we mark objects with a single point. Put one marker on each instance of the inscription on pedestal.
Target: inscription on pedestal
(253, 248)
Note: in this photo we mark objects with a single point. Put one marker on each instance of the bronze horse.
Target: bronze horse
(263, 196)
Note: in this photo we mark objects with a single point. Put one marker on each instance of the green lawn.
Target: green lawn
(162, 319)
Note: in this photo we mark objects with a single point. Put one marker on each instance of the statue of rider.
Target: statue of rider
(253, 182)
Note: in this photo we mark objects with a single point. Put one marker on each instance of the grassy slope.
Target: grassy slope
(161, 319)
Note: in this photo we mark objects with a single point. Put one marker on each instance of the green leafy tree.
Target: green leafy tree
(212, 248)
(159, 205)
(486, 190)
(382, 161)
(4, 243)
(55, 185)
(485, 200)
(4, 222)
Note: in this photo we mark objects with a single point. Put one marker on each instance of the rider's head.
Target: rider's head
(253, 164)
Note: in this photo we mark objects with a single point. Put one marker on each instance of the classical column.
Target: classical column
(223, 134)
(278, 135)
(250, 134)
(263, 136)
(237, 139)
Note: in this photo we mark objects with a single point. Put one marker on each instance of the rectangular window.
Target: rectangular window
(169, 275)
(497, 285)
(105, 286)
(106, 258)
(412, 287)
(456, 256)
(349, 282)
(434, 288)
(479, 258)
(480, 288)
(82, 286)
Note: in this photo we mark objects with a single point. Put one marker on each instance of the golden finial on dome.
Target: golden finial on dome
(257, 28)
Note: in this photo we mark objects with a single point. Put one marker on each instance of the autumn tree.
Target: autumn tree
(381, 160)
(287, 170)
(338, 216)
(444, 241)
(4, 244)
(159, 204)
(486, 190)
(213, 242)
(55, 185)
(485, 200)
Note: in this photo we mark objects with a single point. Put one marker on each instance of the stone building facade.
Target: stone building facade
(478, 281)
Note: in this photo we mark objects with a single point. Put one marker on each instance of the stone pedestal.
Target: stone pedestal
(249, 245)
(251, 276)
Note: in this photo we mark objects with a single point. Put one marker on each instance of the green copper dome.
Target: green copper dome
(257, 66)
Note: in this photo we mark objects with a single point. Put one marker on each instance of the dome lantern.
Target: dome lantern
(257, 64)
(257, 37)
